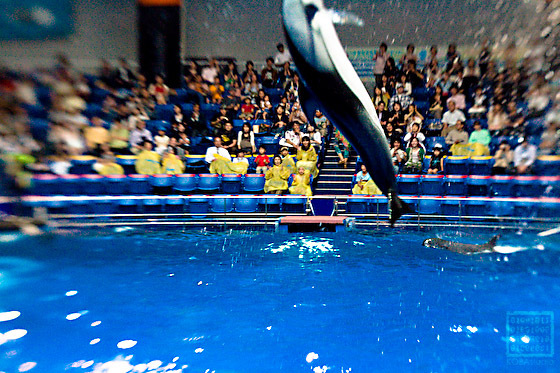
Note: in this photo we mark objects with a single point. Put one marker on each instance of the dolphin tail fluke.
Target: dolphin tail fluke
(493, 240)
(397, 208)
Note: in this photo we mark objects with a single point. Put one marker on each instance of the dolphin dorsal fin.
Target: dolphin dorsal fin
(493, 240)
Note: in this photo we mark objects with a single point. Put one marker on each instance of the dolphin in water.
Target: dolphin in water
(331, 81)
(461, 248)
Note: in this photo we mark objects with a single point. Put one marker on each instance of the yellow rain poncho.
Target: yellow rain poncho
(300, 185)
(222, 165)
(110, 168)
(308, 160)
(470, 149)
(366, 187)
(172, 165)
(148, 163)
(288, 163)
(276, 179)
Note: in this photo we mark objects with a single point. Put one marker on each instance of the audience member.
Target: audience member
(479, 135)
(147, 161)
(380, 58)
(414, 158)
(292, 139)
(364, 183)
(451, 118)
(262, 161)
(400, 97)
(301, 183)
(269, 75)
(307, 157)
(246, 139)
(229, 137)
(436, 161)
(503, 160)
(398, 156)
(277, 177)
(282, 56)
(524, 157)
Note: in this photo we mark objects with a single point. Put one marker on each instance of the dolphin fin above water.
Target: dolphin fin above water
(461, 248)
(331, 81)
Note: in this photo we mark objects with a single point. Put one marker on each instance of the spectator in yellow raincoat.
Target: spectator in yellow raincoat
(301, 182)
(171, 164)
(287, 160)
(307, 157)
(276, 177)
(148, 160)
(364, 183)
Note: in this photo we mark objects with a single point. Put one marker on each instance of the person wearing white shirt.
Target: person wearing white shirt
(314, 137)
(292, 139)
(209, 73)
(524, 156)
(240, 158)
(216, 149)
(282, 56)
(451, 117)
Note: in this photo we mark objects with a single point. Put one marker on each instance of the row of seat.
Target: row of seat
(545, 165)
(453, 206)
(476, 185)
(170, 204)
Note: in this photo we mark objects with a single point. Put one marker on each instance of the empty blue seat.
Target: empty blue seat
(379, 205)
(93, 185)
(164, 112)
(103, 206)
(501, 186)
(128, 205)
(409, 184)
(117, 184)
(421, 94)
(162, 181)
(195, 164)
(476, 207)
(270, 203)
(187, 108)
(223, 204)
(155, 125)
(456, 165)
(198, 205)
(39, 128)
(270, 144)
(253, 183)
(432, 185)
(430, 142)
(527, 186)
(45, 184)
(550, 208)
(152, 205)
(127, 162)
(548, 165)
(70, 185)
(82, 164)
(80, 206)
(209, 182)
(356, 204)
(524, 208)
(246, 205)
(455, 185)
(550, 186)
(500, 207)
(92, 110)
(294, 204)
(58, 206)
(481, 165)
(185, 183)
(231, 183)
(452, 206)
(174, 204)
(478, 185)
(139, 184)
(36, 111)
(98, 95)
(423, 107)
(413, 204)
(429, 206)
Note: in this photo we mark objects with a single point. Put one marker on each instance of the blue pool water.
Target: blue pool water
(239, 301)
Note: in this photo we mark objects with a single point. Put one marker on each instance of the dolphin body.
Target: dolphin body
(331, 81)
(461, 248)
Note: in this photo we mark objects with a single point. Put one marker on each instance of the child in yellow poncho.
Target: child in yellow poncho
(307, 157)
(364, 183)
(276, 177)
(147, 162)
(287, 160)
(171, 164)
(300, 184)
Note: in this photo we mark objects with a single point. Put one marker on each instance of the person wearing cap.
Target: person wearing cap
(524, 157)
(402, 98)
(503, 160)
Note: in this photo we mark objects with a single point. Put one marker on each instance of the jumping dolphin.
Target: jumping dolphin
(332, 81)
(461, 248)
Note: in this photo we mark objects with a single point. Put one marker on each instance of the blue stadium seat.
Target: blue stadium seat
(187, 108)
(36, 111)
(209, 182)
(357, 204)
(270, 203)
(39, 128)
(127, 162)
(139, 184)
(174, 204)
(478, 185)
(198, 205)
(82, 164)
(98, 95)
(294, 204)
(429, 206)
(70, 185)
(501, 186)
(155, 125)
(127, 206)
(80, 206)
(423, 107)
(152, 205)
(164, 112)
(452, 206)
(185, 183)
(253, 183)
(270, 144)
(275, 94)
(93, 185)
(421, 94)
(409, 184)
(455, 185)
(223, 204)
(550, 186)
(58, 206)
(430, 142)
(535, 126)
(93, 110)
(548, 165)
(379, 205)
(231, 183)
(476, 207)
(45, 184)
(481, 165)
(103, 206)
(162, 181)
(527, 186)
(195, 164)
(413, 204)
(117, 184)
(432, 185)
(501, 208)
(524, 209)
(246, 205)
(456, 165)
(548, 209)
